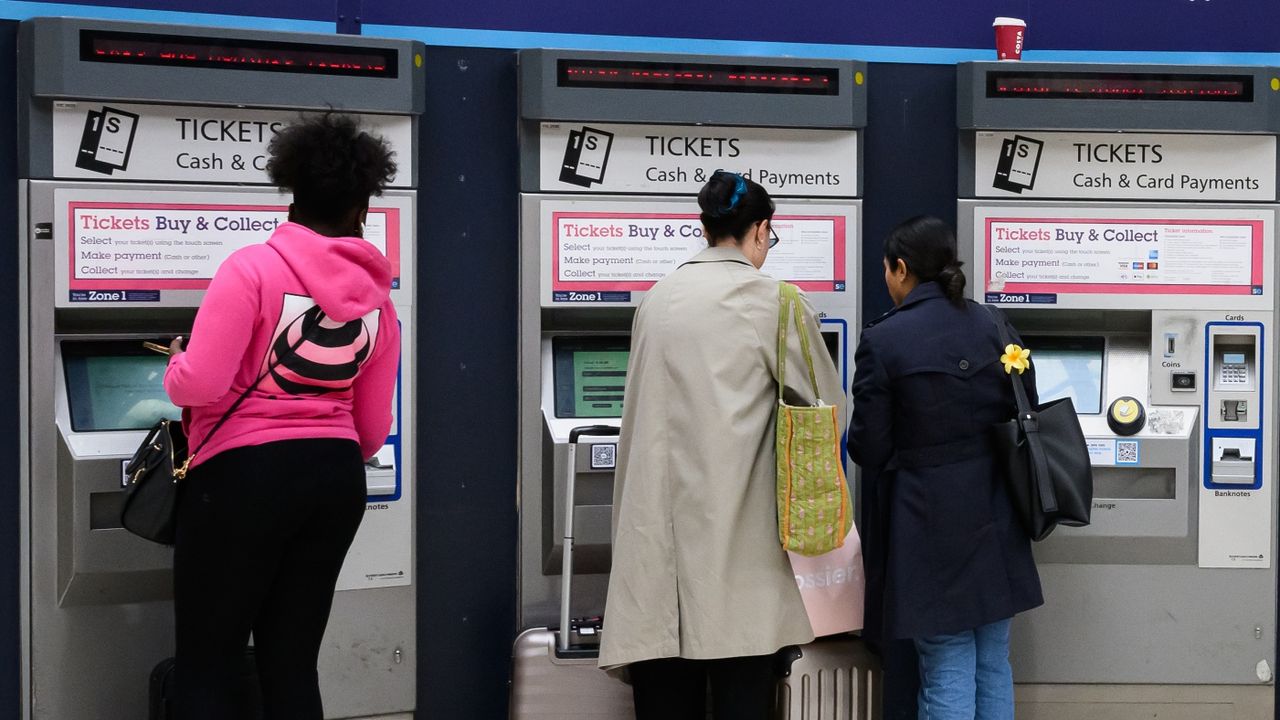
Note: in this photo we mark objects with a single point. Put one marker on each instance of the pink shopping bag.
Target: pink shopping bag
(832, 586)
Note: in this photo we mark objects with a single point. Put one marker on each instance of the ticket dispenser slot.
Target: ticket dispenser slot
(1233, 461)
(1234, 405)
(380, 472)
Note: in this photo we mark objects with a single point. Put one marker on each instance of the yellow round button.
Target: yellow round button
(1126, 416)
(1125, 410)
(858, 78)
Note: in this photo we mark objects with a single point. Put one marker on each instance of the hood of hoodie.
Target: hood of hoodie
(346, 276)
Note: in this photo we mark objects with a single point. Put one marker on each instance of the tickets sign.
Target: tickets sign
(1189, 256)
(678, 159)
(122, 141)
(1140, 166)
(625, 251)
(179, 246)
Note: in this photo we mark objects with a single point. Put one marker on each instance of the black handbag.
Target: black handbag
(154, 471)
(1045, 459)
(160, 464)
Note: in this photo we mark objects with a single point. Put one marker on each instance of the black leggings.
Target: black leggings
(676, 689)
(262, 533)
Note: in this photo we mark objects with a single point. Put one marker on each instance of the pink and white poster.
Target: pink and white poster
(1136, 256)
(620, 251)
(179, 246)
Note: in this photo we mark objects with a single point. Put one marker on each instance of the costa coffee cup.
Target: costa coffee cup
(1010, 36)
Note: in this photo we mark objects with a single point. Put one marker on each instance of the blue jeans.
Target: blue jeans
(966, 676)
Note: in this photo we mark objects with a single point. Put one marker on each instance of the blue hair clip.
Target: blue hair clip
(739, 190)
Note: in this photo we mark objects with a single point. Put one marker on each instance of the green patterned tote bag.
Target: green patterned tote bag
(814, 511)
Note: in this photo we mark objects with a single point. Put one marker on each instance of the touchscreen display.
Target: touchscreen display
(590, 375)
(1069, 367)
(112, 387)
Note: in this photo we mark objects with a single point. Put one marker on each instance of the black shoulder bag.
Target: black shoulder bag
(1045, 459)
(160, 464)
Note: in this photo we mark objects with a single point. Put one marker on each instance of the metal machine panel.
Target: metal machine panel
(762, 101)
(60, 68)
(101, 269)
(1087, 96)
(1147, 624)
(543, 435)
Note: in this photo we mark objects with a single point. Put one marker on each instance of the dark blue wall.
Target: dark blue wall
(909, 163)
(1174, 25)
(9, 477)
(467, 395)
(1128, 25)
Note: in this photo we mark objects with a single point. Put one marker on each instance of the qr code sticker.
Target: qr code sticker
(603, 455)
(1127, 452)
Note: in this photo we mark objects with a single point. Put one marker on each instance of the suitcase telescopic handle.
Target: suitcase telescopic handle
(566, 559)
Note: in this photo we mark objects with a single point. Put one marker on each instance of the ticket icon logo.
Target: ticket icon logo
(586, 156)
(107, 140)
(1019, 162)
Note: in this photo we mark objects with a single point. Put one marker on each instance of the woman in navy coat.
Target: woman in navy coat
(948, 563)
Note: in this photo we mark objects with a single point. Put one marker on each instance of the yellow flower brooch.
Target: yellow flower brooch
(1015, 357)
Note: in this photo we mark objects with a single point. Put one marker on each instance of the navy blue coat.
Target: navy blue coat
(944, 551)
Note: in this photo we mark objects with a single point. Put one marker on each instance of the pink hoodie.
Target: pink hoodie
(337, 384)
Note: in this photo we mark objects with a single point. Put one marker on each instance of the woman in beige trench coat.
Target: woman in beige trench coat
(700, 586)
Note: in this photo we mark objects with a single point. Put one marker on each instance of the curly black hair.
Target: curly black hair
(330, 165)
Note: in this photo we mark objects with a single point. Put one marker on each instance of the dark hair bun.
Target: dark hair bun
(330, 165)
(722, 193)
(952, 280)
(730, 204)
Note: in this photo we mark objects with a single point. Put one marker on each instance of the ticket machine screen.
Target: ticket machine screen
(590, 376)
(115, 385)
(1069, 367)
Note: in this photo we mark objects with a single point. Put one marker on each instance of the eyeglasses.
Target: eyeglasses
(773, 236)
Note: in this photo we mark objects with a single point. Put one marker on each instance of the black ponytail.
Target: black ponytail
(928, 247)
(731, 204)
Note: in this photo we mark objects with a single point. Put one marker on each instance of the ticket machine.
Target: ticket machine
(1124, 217)
(614, 149)
(142, 168)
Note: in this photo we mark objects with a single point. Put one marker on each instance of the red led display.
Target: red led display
(1121, 86)
(702, 77)
(227, 53)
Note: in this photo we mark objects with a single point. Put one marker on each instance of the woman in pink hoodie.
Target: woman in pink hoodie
(304, 325)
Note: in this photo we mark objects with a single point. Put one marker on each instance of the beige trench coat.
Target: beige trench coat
(698, 571)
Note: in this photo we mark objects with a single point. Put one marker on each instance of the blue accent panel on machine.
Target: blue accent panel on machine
(1210, 434)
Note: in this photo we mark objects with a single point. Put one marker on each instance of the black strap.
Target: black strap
(1029, 421)
(306, 335)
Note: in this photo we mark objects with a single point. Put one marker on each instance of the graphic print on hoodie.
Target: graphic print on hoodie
(342, 382)
(331, 357)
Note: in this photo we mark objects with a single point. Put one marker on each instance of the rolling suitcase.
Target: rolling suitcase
(834, 678)
(554, 674)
